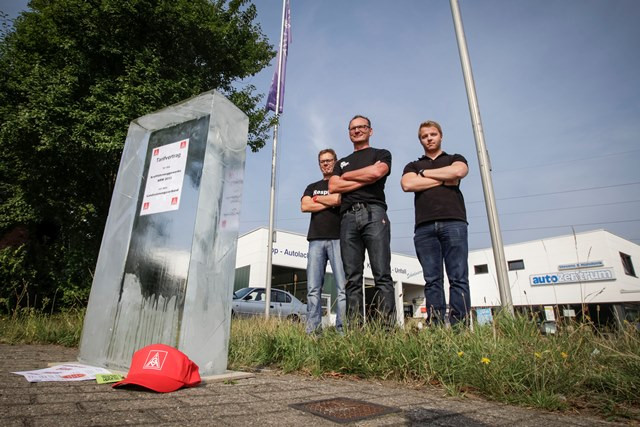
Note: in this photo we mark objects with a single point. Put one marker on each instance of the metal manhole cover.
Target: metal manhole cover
(344, 410)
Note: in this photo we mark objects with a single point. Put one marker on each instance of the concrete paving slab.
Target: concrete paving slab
(227, 376)
(291, 420)
(96, 419)
(28, 409)
(218, 399)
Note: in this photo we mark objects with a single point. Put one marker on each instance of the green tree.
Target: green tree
(73, 74)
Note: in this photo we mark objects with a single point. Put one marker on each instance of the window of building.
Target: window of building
(627, 264)
(517, 264)
(242, 277)
(292, 280)
(481, 269)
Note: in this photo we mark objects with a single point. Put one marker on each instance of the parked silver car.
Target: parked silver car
(250, 302)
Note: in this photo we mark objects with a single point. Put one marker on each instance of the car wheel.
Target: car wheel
(293, 318)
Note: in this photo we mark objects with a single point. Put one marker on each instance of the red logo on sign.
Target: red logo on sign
(73, 376)
(174, 200)
(145, 206)
(183, 144)
(156, 151)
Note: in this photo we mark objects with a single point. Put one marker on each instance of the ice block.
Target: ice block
(166, 265)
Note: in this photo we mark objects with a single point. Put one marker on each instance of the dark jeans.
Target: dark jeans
(367, 227)
(439, 241)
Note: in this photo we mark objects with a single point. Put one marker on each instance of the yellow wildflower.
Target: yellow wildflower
(564, 355)
(538, 355)
(485, 360)
(460, 353)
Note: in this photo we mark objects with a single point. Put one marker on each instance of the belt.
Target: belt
(357, 206)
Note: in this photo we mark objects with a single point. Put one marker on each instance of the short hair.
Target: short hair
(430, 124)
(358, 116)
(330, 151)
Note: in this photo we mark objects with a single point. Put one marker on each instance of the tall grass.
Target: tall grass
(29, 326)
(509, 361)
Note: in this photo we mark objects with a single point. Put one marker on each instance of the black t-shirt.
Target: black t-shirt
(442, 202)
(324, 224)
(372, 193)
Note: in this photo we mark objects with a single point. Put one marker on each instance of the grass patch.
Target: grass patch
(29, 326)
(509, 361)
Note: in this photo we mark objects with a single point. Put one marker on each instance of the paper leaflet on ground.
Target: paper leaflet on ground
(65, 372)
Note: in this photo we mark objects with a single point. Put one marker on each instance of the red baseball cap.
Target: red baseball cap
(161, 368)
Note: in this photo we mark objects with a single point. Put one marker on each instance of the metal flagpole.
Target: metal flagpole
(483, 160)
(274, 151)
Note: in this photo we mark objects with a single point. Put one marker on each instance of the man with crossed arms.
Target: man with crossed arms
(324, 243)
(360, 179)
(441, 225)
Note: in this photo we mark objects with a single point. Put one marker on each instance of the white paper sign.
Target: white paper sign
(66, 372)
(165, 177)
(549, 314)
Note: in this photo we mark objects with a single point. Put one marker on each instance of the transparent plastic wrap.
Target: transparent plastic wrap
(166, 265)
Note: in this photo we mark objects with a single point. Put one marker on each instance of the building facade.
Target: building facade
(592, 273)
(587, 274)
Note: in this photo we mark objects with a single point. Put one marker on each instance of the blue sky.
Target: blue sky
(558, 83)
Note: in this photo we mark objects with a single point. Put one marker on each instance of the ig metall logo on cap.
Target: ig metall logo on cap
(155, 360)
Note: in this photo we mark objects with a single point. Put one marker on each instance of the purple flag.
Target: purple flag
(286, 39)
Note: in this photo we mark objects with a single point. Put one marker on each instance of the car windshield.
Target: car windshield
(241, 293)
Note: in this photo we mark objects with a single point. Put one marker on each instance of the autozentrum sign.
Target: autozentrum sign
(561, 277)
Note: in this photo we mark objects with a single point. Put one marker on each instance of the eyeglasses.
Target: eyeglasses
(324, 162)
(359, 128)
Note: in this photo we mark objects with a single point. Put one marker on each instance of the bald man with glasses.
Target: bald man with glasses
(360, 178)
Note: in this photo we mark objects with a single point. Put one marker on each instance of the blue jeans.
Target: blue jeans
(367, 227)
(321, 251)
(439, 241)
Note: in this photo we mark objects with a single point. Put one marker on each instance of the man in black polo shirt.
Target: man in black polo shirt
(360, 178)
(441, 225)
(324, 243)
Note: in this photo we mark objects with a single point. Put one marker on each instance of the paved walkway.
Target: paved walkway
(263, 400)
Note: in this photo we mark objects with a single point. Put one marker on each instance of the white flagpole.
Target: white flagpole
(483, 159)
(274, 152)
